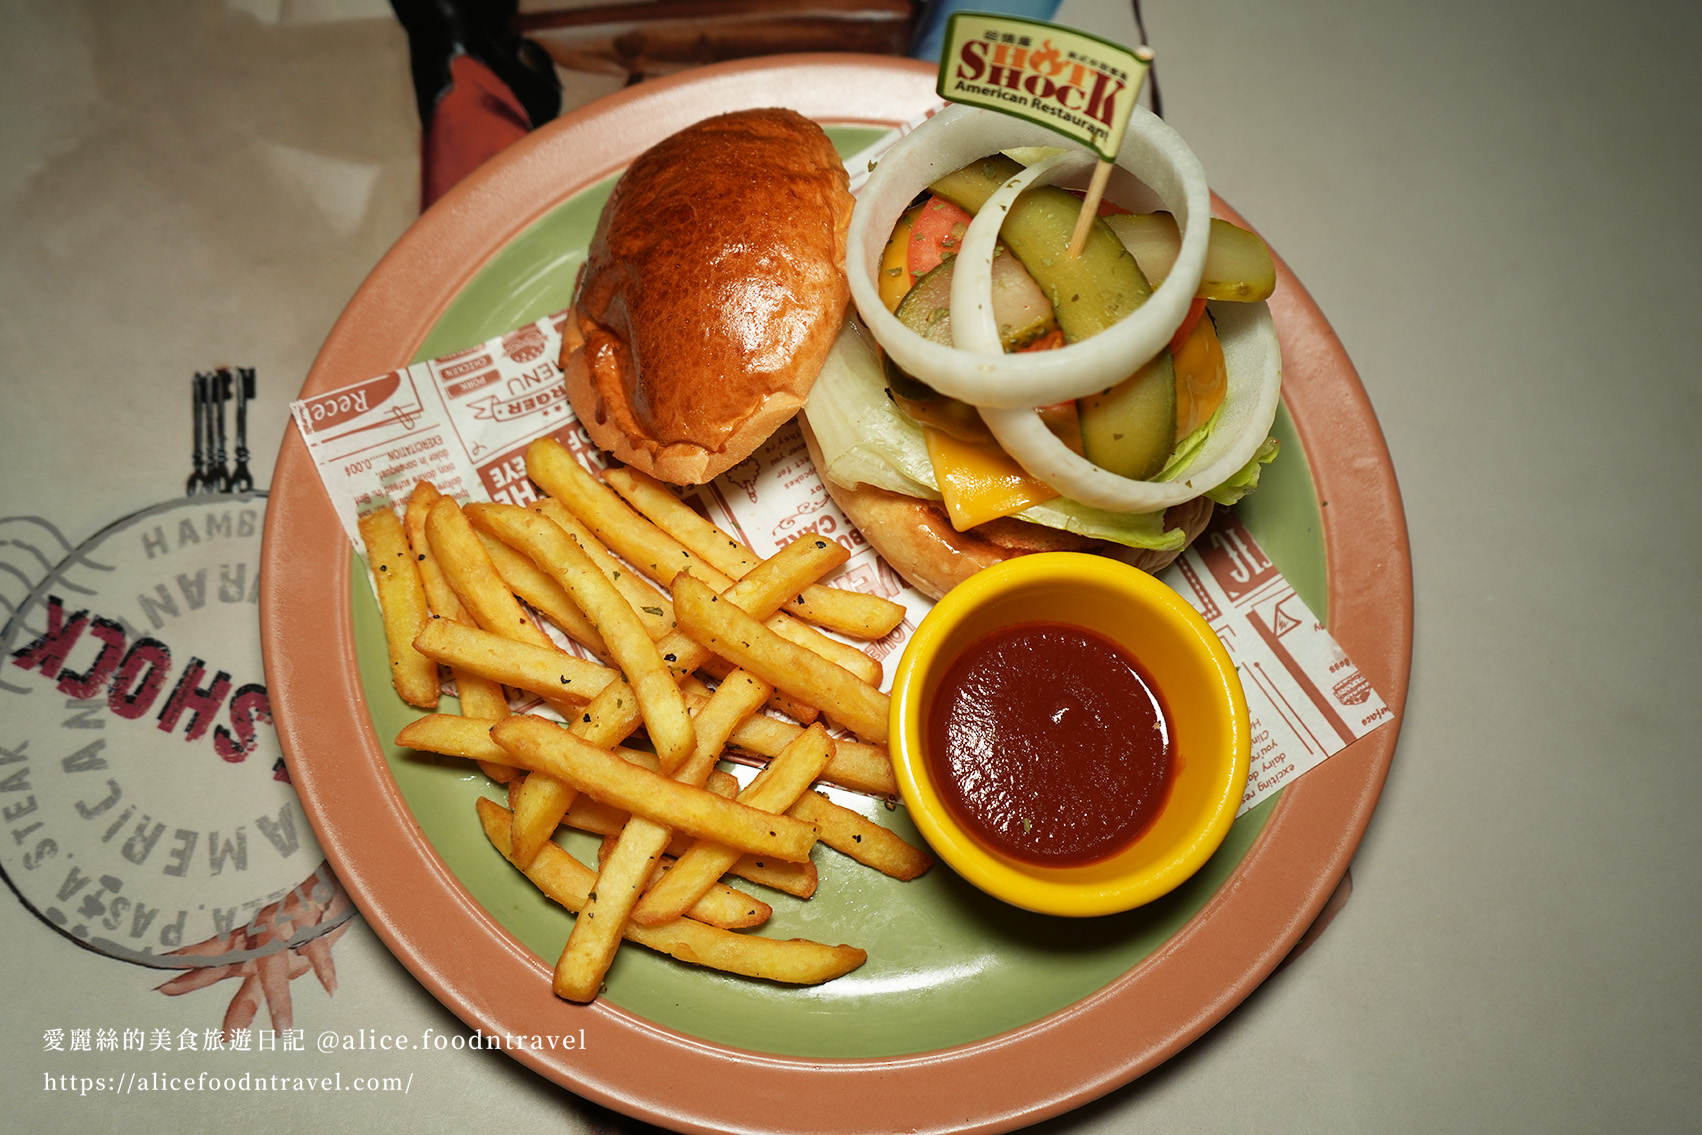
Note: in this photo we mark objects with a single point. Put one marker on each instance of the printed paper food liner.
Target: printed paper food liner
(464, 421)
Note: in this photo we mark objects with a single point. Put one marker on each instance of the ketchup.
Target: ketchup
(1049, 744)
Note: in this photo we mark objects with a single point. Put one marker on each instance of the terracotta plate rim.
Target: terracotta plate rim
(470, 964)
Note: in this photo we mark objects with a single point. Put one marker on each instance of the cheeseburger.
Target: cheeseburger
(992, 394)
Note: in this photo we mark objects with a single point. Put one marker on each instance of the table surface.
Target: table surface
(1486, 200)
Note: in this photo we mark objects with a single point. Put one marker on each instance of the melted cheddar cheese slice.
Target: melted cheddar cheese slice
(980, 482)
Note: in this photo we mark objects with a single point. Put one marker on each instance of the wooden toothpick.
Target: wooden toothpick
(1089, 207)
(1102, 171)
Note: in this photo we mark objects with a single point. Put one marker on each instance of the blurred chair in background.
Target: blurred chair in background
(479, 84)
(484, 72)
(647, 39)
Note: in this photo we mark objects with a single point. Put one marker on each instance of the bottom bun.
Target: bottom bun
(917, 539)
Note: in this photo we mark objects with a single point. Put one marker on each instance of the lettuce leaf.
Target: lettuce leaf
(1187, 449)
(866, 439)
(1247, 479)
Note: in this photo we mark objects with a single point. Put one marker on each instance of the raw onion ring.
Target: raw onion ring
(1254, 365)
(953, 138)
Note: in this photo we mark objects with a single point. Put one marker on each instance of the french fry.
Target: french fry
(598, 818)
(455, 735)
(596, 933)
(726, 630)
(402, 601)
(568, 882)
(612, 715)
(852, 613)
(594, 816)
(468, 568)
(759, 594)
(543, 799)
(856, 765)
(654, 608)
(538, 809)
(839, 653)
(547, 671)
(797, 879)
(621, 881)
(538, 744)
(502, 774)
(724, 906)
(626, 533)
(738, 697)
(588, 815)
(438, 592)
(657, 503)
(652, 551)
(721, 905)
(553, 550)
(478, 696)
(869, 843)
(531, 583)
(776, 789)
(719, 668)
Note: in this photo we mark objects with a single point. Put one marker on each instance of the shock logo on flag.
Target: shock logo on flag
(1077, 84)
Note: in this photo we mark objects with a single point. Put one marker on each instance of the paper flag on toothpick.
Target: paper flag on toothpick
(1066, 80)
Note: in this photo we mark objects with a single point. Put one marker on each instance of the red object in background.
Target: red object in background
(475, 118)
(478, 83)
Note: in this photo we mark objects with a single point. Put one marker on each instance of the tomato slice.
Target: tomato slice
(936, 233)
(1196, 308)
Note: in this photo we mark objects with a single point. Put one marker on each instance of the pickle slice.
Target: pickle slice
(1238, 265)
(905, 388)
(1131, 428)
(926, 308)
(968, 188)
(1089, 292)
(1020, 307)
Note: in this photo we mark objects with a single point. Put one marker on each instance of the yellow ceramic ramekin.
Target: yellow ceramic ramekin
(1195, 679)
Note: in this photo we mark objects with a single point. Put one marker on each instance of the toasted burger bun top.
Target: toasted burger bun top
(714, 287)
(915, 537)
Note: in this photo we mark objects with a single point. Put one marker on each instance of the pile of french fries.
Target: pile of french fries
(695, 639)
